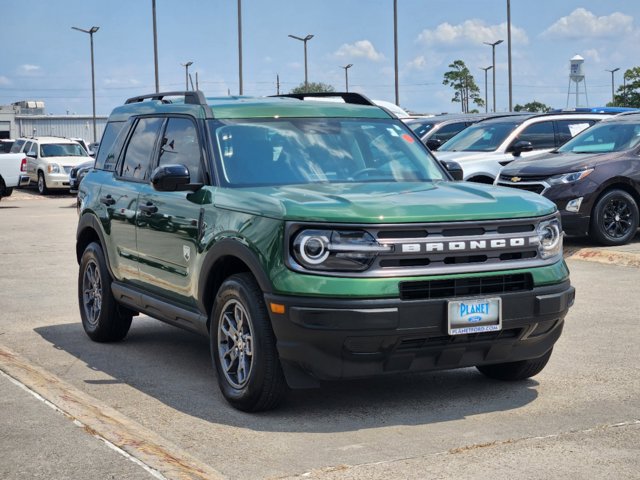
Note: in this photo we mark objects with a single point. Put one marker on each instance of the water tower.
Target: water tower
(577, 78)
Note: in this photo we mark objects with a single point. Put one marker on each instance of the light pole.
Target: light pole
(613, 97)
(186, 68)
(493, 51)
(346, 76)
(304, 40)
(155, 44)
(240, 45)
(486, 100)
(91, 31)
(395, 49)
(508, 59)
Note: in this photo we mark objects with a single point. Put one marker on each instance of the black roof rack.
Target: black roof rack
(347, 97)
(190, 97)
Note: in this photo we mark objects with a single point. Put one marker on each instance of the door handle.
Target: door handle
(149, 208)
(108, 200)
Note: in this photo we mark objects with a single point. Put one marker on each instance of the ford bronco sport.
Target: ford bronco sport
(312, 241)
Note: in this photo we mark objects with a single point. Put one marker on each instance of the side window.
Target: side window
(541, 135)
(137, 158)
(180, 146)
(31, 147)
(567, 129)
(107, 152)
(16, 147)
(448, 131)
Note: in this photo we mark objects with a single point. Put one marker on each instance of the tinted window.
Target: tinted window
(446, 132)
(31, 147)
(137, 158)
(605, 137)
(180, 146)
(62, 150)
(107, 154)
(15, 148)
(421, 128)
(541, 135)
(481, 137)
(567, 129)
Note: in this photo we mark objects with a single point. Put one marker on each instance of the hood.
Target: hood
(385, 202)
(67, 161)
(558, 163)
(463, 156)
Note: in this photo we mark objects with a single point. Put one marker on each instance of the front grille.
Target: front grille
(465, 287)
(412, 344)
(528, 178)
(529, 187)
(67, 169)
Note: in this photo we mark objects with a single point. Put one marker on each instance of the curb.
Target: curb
(601, 255)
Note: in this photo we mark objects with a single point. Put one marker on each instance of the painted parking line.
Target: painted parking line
(160, 457)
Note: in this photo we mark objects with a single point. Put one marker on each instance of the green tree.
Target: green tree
(628, 94)
(464, 85)
(534, 106)
(313, 87)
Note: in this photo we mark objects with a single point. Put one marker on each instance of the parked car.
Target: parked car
(13, 168)
(312, 241)
(77, 173)
(50, 159)
(483, 148)
(5, 145)
(594, 179)
(438, 129)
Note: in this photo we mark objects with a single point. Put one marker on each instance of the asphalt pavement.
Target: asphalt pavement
(154, 396)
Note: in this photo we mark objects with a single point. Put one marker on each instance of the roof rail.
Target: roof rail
(190, 97)
(347, 97)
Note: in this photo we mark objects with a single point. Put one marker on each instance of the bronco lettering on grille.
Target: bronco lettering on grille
(468, 245)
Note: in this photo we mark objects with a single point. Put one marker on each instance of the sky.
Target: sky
(44, 59)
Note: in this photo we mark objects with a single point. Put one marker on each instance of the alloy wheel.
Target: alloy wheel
(235, 343)
(92, 293)
(617, 218)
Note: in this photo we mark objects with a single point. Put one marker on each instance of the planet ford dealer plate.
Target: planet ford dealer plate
(475, 315)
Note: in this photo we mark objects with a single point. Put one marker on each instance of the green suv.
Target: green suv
(312, 240)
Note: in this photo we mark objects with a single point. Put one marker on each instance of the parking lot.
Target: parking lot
(154, 396)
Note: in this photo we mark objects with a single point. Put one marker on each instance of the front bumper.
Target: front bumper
(337, 339)
(57, 180)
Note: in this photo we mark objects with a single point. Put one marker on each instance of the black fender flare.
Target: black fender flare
(230, 247)
(90, 221)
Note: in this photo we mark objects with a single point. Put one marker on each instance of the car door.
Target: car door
(169, 223)
(31, 151)
(119, 193)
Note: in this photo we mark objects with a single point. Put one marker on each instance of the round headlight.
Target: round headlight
(550, 237)
(314, 249)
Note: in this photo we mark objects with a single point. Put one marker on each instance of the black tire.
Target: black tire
(42, 184)
(514, 371)
(103, 319)
(8, 191)
(241, 339)
(614, 220)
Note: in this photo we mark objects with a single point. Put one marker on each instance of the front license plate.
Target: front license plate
(474, 315)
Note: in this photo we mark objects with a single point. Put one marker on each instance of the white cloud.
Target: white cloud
(28, 69)
(121, 82)
(471, 31)
(592, 54)
(4, 80)
(582, 23)
(418, 63)
(359, 49)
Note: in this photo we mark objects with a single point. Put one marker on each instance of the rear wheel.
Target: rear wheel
(615, 218)
(42, 184)
(103, 319)
(520, 370)
(243, 347)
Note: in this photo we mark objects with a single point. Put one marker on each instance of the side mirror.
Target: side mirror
(454, 169)
(173, 178)
(521, 146)
(434, 144)
(31, 155)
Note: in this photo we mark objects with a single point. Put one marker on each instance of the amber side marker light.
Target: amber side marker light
(276, 308)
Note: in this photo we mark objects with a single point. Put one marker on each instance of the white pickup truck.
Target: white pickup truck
(13, 172)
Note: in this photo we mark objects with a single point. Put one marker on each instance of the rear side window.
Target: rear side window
(448, 131)
(567, 129)
(541, 135)
(139, 152)
(15, 148)
(180, 146)
(107, 153)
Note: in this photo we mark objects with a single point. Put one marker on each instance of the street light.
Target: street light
(493, 51)
(91, 31)
(508, 57)
(395, 49)
(304, 40)
(186, 68)
(486, 100)
(346, 76)
(613, 98)
(155, 45)
(240, 46)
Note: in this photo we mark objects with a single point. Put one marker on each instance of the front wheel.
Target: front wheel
(513, 371)
(615, 218)
(42, 184)
(243, 347)
(102, 318)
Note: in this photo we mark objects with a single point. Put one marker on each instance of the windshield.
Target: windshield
(421, 128)
(62, 150)
(605, 137)
(481, 137)
(319, 150)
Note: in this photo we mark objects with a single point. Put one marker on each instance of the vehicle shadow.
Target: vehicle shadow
(174, 367)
